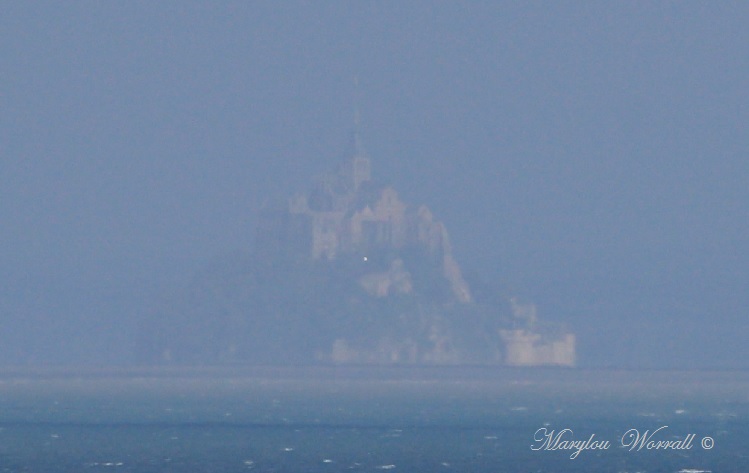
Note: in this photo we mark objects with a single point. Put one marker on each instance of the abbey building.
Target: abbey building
(427, 312)
(346, 212)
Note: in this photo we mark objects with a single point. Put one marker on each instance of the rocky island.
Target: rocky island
(348, 273)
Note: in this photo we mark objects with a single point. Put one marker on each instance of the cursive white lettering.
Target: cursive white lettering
(633, 440)
(549, 440)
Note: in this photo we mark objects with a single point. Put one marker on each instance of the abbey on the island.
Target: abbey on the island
(347, 214)
(348, 273)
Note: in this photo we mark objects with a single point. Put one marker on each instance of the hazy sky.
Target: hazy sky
(589, 156)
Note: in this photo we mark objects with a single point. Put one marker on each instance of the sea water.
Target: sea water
(374, 420)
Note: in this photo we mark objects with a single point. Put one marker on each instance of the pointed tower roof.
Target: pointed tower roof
(355, 169)
(356, 149)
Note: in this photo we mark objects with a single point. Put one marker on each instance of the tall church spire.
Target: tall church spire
(359, 162)
(357, 148)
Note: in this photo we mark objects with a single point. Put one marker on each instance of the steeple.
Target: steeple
(359, 162)
(355, 146)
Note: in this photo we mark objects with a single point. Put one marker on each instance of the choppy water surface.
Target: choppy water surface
(334, 420)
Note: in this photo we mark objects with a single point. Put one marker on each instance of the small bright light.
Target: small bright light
(365, 258)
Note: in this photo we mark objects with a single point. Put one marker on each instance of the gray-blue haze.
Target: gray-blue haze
(591, 157)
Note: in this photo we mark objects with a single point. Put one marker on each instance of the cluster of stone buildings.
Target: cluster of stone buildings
(346, 213)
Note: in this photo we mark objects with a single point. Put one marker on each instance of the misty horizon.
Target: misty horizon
(590, 159)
